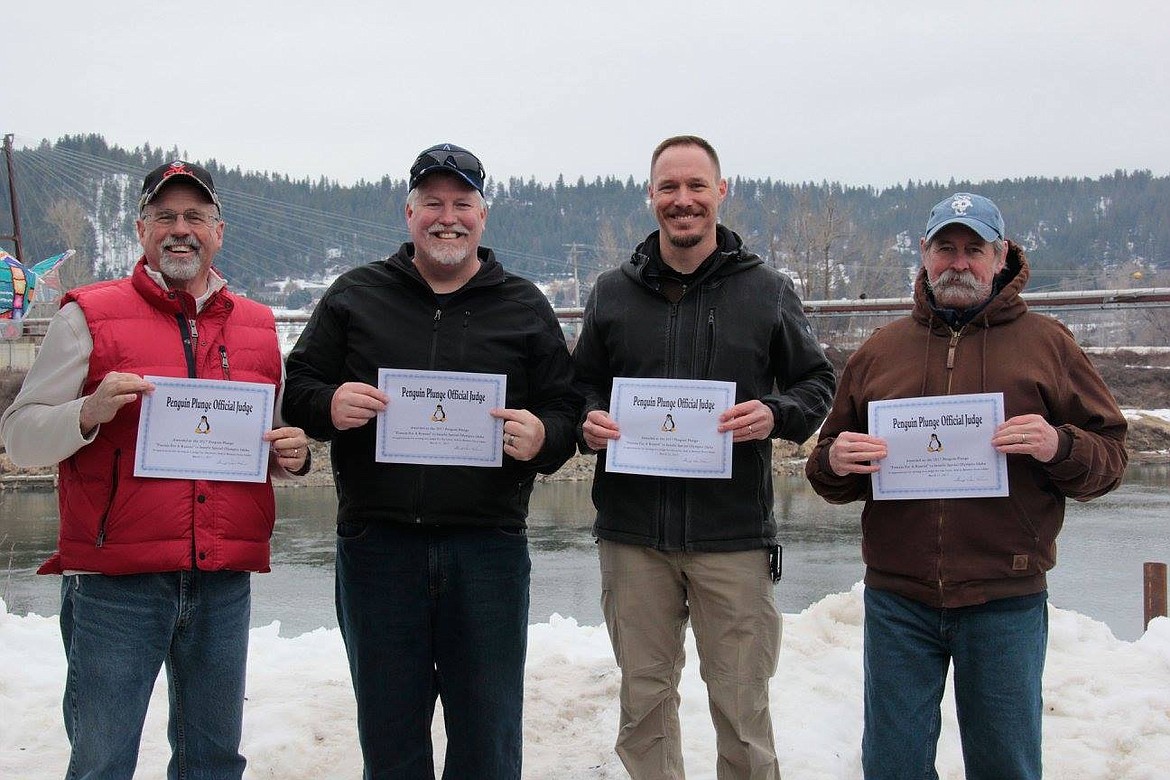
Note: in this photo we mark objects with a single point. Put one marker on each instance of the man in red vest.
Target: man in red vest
(156, 571)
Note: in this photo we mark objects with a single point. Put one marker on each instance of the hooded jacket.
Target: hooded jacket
(967, 551)
(737, 321)
(385, 315)
(115, 523)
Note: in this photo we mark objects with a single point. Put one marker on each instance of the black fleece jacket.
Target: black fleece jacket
(384, 315)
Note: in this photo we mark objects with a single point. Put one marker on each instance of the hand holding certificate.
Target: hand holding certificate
(204, 429)
(669, 428)
(440, 418)
(939, 447)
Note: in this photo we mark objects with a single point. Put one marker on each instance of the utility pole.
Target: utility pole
(576, 279)
(15, 237)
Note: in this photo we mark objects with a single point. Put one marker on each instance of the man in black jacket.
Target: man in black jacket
(692, 303)
(432, 560)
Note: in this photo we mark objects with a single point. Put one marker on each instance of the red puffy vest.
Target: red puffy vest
(115, 523)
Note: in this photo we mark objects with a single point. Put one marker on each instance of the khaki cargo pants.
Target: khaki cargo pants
(647, 597)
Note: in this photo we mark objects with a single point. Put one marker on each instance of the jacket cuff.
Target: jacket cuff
(1064, 446)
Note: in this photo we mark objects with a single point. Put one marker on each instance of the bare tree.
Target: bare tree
(798, 242)
(610, 251)
(72, 226)
(829, 229)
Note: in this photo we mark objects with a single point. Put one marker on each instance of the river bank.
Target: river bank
(1139, 380)
(1148, 442)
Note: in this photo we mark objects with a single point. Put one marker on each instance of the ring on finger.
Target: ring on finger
(750, 431)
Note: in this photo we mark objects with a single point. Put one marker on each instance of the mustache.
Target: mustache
(955, 278)
(190, 243)
(436, 229)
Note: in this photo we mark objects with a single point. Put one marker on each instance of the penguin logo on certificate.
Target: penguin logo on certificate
(668, 424)
(439, 415)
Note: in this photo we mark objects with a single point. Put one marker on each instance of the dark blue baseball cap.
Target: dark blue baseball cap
(451, 158)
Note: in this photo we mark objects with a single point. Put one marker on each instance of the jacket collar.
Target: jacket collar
(729, 257)
(490, 272)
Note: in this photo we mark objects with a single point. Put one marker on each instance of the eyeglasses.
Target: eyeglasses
(195, 219)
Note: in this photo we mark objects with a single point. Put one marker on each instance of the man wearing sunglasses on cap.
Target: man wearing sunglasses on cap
(693, 303)
(432, 560)
(155, 572)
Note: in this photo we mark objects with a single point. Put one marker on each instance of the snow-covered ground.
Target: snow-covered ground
(1107, 703)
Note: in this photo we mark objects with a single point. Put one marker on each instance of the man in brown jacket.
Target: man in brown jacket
(962, 580)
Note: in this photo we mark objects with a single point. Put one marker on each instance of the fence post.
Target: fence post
(1155, 591)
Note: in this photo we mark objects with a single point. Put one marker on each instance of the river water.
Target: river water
(1099, 571)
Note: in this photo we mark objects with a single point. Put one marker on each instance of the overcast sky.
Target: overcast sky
(875, 92)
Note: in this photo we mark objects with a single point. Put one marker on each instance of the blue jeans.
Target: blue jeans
(119, 632)
(998, 652)
(435, 612)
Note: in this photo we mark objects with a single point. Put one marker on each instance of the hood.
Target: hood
(1005, 305)
(730, 258)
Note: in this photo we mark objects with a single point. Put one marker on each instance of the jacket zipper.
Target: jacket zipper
(671, 341)
(419, 487)
(190, 336)
(223, 361)
(710, 343)
(101, 536)
(955, 336)
(190, 333)
(671, 371)
(952, 347)
(435, 337)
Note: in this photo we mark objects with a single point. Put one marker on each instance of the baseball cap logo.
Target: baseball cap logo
(960, 205)
(178, 166)
(155, 180)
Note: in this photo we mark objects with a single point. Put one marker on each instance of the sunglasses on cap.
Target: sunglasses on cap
(450, 158)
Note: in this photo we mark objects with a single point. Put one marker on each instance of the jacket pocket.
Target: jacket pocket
(114, 477)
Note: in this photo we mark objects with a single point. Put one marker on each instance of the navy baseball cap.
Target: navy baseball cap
(451, 158)
(164, 174)
(974, 211)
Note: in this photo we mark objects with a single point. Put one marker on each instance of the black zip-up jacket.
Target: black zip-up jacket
(384, 315)
(738, 321)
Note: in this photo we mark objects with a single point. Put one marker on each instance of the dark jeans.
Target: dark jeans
(433, 612)
(998, 654)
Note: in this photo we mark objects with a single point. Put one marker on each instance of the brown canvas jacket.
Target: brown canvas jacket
(961, 552)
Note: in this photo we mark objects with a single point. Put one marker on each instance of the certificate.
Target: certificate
(440, 418)
(204, 429)
(939, 447)
(668, 428)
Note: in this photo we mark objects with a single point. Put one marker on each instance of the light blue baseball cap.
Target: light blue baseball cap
(974, 211)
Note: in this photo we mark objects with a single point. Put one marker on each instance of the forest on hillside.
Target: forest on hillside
(80, 192)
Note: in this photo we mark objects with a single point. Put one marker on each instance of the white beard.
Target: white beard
(181, 269)
(448, 255)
